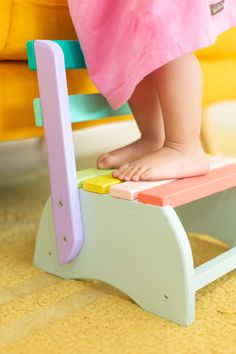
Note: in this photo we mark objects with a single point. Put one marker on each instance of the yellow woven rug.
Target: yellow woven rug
(40, 313)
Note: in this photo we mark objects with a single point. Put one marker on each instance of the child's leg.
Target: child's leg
(146, 108)
(180, 91)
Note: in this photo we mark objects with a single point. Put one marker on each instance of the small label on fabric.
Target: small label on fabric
(217, 7)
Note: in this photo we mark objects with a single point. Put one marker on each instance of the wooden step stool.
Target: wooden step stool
(135, 235)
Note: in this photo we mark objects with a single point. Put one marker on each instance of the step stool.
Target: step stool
(132, 235)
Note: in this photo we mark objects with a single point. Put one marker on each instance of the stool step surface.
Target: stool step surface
(187, 190)
(89, 173)
(100, 185)
(218, 161)
(130, 190)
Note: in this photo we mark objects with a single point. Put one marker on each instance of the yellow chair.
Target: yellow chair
(23, 20)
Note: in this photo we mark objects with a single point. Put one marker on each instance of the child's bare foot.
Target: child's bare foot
(172, 161)
(128, 153)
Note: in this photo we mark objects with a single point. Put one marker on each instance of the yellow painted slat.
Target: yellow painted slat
(101, 184)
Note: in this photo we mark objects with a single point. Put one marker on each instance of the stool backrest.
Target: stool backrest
(56, 110)
(83, 107)
(73, 55)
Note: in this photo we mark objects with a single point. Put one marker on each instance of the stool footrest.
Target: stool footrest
(215, 268)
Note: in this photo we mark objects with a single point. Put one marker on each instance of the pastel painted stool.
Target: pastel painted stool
(132, 235)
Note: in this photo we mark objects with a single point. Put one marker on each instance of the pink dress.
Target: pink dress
(125, 40)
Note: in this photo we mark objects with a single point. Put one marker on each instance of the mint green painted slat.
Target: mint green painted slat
(89, 173)
(73, 55)
(84, 108)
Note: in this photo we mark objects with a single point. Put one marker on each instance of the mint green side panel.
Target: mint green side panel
(73, 55)
(141, 249)
(84, 108)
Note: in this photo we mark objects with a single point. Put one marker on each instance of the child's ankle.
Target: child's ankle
(191, 147)
(157, 141)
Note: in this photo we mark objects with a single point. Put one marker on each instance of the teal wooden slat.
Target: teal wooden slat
(31, 55)
(73, 55)
(84, 108)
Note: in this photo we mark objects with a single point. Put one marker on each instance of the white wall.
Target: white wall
(25, 155)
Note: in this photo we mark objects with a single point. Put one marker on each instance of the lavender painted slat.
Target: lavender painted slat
(61, 161)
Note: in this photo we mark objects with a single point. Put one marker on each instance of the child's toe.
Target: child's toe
(117, 172)
(125, 173)
(104, 161)
(138, 173)
(147, 175)
(129, 174)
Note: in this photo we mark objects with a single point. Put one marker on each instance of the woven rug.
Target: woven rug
(41, 313)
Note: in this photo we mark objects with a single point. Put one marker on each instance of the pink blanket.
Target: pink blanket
(125, 40)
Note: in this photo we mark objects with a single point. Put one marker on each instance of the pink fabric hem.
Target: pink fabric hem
(125, 40)
(122, 94)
